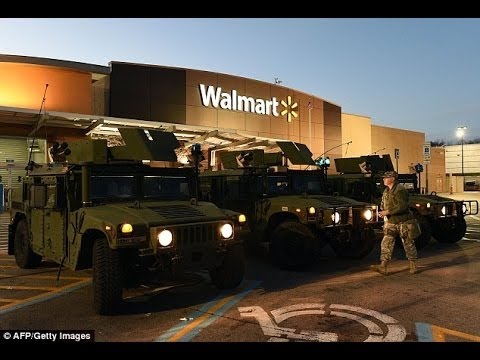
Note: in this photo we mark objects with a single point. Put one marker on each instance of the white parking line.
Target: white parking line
(464, 238)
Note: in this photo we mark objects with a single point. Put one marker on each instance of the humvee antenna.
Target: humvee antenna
(345, 143)
(42, 105)
(376, 151)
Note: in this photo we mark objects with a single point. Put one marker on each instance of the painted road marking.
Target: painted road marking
(276, 333)
(474, 230)
(475, 240)
(433, 333)
(52, 293)
(206, 315)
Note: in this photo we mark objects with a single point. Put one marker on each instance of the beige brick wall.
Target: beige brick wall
(410, 144)
(358, 130)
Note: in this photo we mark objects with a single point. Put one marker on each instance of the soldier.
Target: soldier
(398, 221)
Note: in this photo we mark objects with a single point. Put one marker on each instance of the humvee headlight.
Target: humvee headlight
(336, 217)
(226, 231)
(368, 214)
(444, 210)
(311, 210)
(126, 228)
(464, 209)
(242, 218)
(428, 205)
(165, 238)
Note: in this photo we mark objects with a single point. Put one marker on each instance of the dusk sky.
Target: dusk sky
(415, 74)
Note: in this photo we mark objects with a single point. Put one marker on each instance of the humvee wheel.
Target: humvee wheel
(358, 246)
(424, 238)
(449, 230)
(230, 273)
(292, 244)
(107, 278)
(24, 255)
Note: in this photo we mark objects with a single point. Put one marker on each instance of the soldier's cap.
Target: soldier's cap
(388, 174)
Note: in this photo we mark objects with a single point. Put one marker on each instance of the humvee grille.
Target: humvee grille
(193, 235)
(177, 211)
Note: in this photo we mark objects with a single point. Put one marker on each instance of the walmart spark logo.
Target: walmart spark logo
(290, 109)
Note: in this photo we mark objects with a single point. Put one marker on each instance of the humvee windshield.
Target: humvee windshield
(409, 186)
(278, 185)
(409, 182)
(126, 187)
(113, 187)
(285, 185)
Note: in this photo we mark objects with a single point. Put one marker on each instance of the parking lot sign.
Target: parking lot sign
(427, 151)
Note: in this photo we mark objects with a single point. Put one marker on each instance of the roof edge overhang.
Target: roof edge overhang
(71, 65)
(107, 125)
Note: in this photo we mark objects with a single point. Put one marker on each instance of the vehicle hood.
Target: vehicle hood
(318, 200)
(157, 213)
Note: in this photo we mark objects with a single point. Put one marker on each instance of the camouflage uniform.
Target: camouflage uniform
(396, 202)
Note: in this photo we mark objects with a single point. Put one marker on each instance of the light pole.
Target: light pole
(461, 134)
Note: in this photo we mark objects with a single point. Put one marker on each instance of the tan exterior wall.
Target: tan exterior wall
(410, 143)
(23, 86)
(372, 139)
(358, 130)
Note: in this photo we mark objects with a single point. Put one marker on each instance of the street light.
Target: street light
(460, 134)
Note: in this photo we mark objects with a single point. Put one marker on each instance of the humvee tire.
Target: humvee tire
(24, 255)
(107, 278)
(449, 230)
(358, 247)
(292, 244)
(230, 273)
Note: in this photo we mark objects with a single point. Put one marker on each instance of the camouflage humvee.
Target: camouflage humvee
(288, 211)
(439, 217)
(131, 222)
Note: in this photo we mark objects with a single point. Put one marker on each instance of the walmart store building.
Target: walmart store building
(218, 110)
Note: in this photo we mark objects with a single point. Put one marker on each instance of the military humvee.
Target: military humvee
(439, 217)
(287, 209)
(131, 222)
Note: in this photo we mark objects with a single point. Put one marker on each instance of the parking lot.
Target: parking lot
(334, 301)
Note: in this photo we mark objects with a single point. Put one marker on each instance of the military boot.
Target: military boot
(382, 268)
(413, 267)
